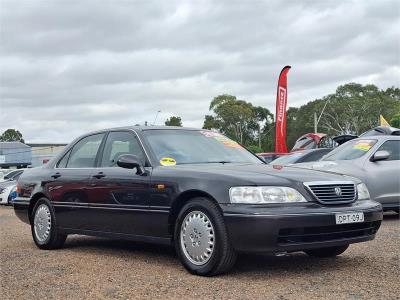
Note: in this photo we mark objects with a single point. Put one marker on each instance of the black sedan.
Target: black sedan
(195, 189)
(301, 156)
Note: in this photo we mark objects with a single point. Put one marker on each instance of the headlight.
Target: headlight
(264, 194)
(362, 192)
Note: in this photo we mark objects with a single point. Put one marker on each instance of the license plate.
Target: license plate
(349, 218)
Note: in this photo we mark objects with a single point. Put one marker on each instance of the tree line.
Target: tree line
(352, 109)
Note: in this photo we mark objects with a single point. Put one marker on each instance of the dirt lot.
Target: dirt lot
(92, 268)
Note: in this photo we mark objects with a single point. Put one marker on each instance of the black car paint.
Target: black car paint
(149, 203)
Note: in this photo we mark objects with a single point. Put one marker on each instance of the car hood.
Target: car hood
(7, 183)
(345, 167)
(259, 174)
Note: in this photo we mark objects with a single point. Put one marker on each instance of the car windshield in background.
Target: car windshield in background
(305, 143)
(351, 150)
(195, 147)
(287, 159)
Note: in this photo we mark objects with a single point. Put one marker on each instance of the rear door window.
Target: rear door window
(83, 154)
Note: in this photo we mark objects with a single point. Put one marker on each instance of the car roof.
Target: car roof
(145, 128)
(378, 137)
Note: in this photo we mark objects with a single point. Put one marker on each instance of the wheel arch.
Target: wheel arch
(180, 201)
(35, 198)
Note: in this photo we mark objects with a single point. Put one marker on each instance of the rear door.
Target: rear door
(118, 197)
(69, 183)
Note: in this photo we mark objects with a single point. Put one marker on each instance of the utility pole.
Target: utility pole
(156, 117)
(316, 120)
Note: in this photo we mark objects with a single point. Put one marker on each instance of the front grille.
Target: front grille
(326, 233)
(333, 192)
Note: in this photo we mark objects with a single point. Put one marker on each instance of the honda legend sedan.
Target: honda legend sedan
(194, 189)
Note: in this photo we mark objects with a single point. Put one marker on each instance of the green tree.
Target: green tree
(353, 108)
(11, 135)
(395, 121)
(238, 119)
(174, 121)
(211, 123)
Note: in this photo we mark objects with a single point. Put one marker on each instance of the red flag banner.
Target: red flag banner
(280, 116)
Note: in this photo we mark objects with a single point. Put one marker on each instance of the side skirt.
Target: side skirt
(122, 236)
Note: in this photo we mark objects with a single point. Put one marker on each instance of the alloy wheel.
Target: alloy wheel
(197, 237)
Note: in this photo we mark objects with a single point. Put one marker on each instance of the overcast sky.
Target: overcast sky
(70, 67)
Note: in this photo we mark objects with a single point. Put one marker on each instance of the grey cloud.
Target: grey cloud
(71, 66)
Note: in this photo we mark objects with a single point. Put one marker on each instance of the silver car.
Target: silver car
(373, 159)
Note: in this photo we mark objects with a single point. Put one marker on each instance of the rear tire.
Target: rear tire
(327, 252)
(43, 226)
(201, 239)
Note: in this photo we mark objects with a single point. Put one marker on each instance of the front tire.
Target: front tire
(201, 239)
(327, 252)
(43, 226)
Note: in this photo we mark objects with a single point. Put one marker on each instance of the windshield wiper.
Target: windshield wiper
(205, 162)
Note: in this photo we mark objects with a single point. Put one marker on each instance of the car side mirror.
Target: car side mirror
(129, 161)
(380, 155)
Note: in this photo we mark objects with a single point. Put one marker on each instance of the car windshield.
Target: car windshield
(305, 143)
(195, 147)
(351, 150)
(12, 174)
(287, 159)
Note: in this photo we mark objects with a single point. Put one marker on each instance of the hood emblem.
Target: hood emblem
(338, 191)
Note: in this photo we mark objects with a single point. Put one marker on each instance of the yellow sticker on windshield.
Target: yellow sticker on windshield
(167, 161)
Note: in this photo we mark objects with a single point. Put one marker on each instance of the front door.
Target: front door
(118, 197)
(383, 176)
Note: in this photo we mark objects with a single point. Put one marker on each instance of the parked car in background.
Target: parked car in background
(381, 130)
(309, 141)
(267, 157)
(7, 192)
(12, 175)
(3, 172)
(195, 189)
(373, 159)
(301, 156)
(8, 187)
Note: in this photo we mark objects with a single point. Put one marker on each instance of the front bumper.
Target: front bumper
(21, 208)
(296, 227)
(391, 206)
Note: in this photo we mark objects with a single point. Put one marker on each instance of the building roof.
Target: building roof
(12, 145)
(46, 144)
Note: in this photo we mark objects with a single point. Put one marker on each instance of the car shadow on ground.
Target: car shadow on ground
(117, 246)
(291, 263)
(247, 263)
(390, 215)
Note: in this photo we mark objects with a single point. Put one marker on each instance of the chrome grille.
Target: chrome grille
(329, 192)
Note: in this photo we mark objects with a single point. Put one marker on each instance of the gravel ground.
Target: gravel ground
(93, 268)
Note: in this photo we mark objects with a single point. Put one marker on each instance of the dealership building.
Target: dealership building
(20, 155)
(15, 155)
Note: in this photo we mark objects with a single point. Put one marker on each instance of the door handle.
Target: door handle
(56, 175)
(99, 175)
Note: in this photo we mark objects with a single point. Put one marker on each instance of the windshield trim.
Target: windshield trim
(155, 162)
